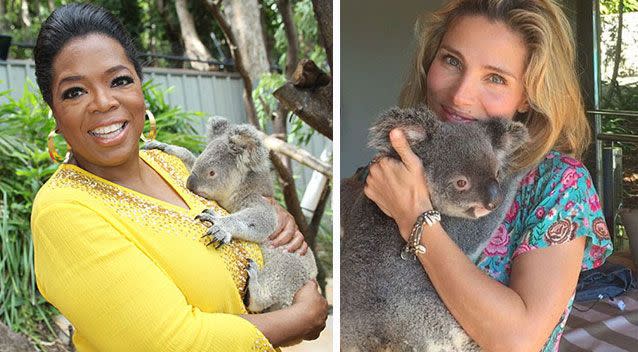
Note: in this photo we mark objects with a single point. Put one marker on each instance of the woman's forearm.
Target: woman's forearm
(303, 320)
(280, 327)
(487, 310)
(497, 317)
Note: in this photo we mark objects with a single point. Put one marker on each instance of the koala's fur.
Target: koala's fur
(234, 170)
(388, 303)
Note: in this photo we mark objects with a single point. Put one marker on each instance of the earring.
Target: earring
(53, 153)
(153, 131)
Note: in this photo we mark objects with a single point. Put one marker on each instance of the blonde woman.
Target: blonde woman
(515, 59)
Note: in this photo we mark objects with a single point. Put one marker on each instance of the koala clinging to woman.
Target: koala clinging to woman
(388, 303)
(234, 171)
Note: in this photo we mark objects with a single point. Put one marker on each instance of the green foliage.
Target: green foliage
(174, 126)
(608, 7)
(620, 94)
(24, 167)
(266, 104)
(307, 32)
(308, 36)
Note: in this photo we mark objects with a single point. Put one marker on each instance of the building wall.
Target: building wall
(377, 43)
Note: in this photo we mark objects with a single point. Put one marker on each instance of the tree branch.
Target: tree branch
(295, 153)
(290, 192)
(313, 106)
(313, 228)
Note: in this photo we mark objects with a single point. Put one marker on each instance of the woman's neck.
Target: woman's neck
(127, 174)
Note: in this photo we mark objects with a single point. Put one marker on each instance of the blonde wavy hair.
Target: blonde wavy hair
(556, 119)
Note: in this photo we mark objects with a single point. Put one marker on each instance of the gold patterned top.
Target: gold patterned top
(133, 273)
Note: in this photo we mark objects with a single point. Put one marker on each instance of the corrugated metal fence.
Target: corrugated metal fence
(214, 93)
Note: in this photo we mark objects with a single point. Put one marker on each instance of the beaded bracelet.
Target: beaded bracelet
(414, 246)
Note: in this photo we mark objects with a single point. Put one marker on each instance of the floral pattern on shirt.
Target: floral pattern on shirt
(556, 203)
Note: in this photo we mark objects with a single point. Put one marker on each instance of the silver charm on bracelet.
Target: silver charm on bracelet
(414, 246)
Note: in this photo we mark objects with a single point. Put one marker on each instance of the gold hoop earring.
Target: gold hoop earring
(53, 153)
(153, 131)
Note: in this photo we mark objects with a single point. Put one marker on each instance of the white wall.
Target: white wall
(377, 43)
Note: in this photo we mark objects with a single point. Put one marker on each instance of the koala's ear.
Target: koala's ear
(418, 125)
(506, 135)
(217, 125)
(244, 137)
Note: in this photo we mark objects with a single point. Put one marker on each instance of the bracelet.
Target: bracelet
(414, 246)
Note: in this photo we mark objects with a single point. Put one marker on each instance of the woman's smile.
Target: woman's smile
(451, 115)
(109, 133)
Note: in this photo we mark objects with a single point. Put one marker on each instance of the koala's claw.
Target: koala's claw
(208, 211)
(205, 217)
(219, 236)
(252, 268)
(154, 145)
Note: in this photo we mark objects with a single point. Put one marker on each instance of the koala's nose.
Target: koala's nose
(494, 197)
(191, 181)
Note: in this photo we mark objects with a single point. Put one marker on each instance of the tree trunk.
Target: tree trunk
(269, 40)
(292, 51)
(3, 12)
(323, 14)
(51, 4)
(192, 44)
(613, 84)
(37, 11)
(238, 59)
(171, 30)
(24, 14)
(292, 56)
(245, 23)
(9, 6)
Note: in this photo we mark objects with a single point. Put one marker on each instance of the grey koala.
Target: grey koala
(388, 303)
(234, 170)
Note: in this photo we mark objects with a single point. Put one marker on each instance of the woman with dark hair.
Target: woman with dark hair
(117, 249)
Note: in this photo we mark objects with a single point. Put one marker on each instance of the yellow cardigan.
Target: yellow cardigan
(132, 273)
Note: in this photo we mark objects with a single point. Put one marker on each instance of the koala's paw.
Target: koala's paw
(218, 235)
(253, 269)
(206, 216)
(153, 144)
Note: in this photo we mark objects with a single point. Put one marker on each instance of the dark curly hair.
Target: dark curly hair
(69, 22)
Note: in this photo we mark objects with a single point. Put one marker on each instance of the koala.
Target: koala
(234, 170)
(388, 303)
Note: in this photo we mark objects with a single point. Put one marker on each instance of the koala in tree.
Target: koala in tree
(234, 170)
(388, 303)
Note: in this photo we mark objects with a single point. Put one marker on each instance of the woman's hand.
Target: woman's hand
(303, 320)
(287, 233)
(399, 188)
(313, 307)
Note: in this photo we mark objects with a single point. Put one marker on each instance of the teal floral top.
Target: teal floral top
(556, 203)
